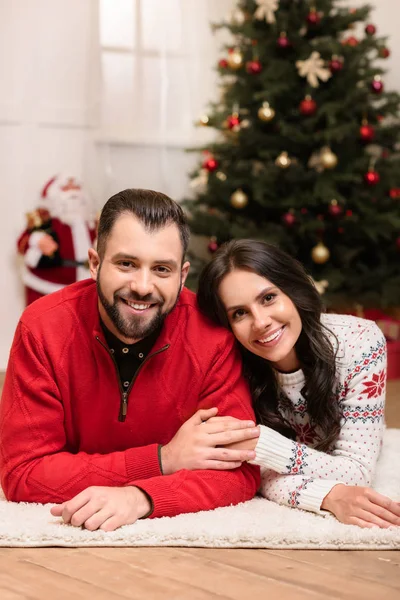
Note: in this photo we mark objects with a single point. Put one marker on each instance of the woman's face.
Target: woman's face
(263, 319)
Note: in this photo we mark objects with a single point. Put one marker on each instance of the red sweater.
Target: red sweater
(59, 416)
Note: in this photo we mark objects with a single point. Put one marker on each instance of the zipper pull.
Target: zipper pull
(124, 404)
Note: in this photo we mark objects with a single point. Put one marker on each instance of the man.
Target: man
(104, 380)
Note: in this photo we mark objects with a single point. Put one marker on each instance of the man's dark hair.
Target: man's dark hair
(153, 209)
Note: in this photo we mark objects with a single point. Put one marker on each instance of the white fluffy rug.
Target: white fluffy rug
(255, 524)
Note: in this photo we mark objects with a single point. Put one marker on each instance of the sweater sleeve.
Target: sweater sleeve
(296, 491)
(362, 400)
(192, 491)
(35, 464)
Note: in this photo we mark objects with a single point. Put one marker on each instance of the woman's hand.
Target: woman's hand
(361, 506)
(196, 445)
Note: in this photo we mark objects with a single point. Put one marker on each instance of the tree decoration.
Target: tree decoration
(398, 243)
(367, 132)
(321, 286)
(265, 112)
(336, 64)
(204, 121)
(328, 159)
(221, 176)
(238, 17)
(350, 41)
(223, 63)
(201, 180)
(239, 199)
(283, 42)
(313, 69)
(235, 59)
(394, 193)
(233, 122)
(335, 210)
(283, 161)
(370, 29)
(372, 177)
(314, 17)
(253, 67)
(308, 106)
(289, 218)
(210, 164)
(377, 85)
(213, 244)
(266, 10)
(320, 253)
(384, 52)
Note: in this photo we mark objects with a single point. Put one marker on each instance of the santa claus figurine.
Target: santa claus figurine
(57, 238)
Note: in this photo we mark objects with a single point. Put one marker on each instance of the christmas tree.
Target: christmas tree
(305, 152)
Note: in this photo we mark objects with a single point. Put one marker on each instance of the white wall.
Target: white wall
(51, 117)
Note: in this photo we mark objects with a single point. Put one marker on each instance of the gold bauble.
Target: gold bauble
(320, 253)
(235, 59)
(329, 160)
(204, 120)
(220, 175)
(265, 112)
(239, 199)
(238, 17)
(283, 161)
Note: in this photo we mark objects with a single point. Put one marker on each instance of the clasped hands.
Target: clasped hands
(194, 446)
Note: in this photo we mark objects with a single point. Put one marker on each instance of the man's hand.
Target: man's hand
(196, 443)
(105, 508)
(47, 245)
(361, 506)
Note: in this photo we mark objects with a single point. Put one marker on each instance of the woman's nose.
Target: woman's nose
(261, 321)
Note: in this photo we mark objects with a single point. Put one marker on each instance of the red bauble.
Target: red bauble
(233, 121)
(398, 243)
(303, 211)
(335, 210)
(384, 53)
(313, 18)
(210, 164)
(213, 246)
(394, 193)
(370, 29)
(253, 67)
(283, 42)
(308, 106)
(367, 133)
(223, 63)
(336, 65)
(340, 230)
(289, 219)
(349, 213)
(372, 178)
(350, 41)
(377, 86)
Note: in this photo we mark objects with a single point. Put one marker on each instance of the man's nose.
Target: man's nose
(142, 283)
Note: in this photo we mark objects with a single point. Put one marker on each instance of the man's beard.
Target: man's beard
(136, 327)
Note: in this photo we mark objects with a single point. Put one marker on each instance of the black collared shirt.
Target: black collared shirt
(129, 357)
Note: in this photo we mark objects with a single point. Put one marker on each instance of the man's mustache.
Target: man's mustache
(133, 297)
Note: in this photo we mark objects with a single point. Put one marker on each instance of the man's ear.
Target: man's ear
(94, 263)
(184, 272)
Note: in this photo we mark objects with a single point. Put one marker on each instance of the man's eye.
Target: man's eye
(125, 264)
(163, 270)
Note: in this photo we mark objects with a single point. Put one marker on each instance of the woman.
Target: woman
(318, 383)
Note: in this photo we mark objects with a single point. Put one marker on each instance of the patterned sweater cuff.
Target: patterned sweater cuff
(313, 493)
(273, 450)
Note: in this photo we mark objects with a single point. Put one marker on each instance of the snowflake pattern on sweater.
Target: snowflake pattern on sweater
(293, 472)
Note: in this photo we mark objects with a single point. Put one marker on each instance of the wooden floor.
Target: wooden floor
(198, 574)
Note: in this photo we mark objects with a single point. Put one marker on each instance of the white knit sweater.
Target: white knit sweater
(295, 474)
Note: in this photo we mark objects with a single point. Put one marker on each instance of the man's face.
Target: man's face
(139, 278)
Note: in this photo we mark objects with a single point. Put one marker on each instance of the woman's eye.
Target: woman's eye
(238, 313)
(269, 297)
